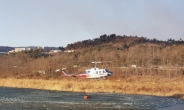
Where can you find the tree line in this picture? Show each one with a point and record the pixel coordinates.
(126, 40)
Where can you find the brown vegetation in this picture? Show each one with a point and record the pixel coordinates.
(159, 69)
(129, 85)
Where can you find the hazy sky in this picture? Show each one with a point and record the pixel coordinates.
(60, 22)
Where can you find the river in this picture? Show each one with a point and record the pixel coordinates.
(32, 99)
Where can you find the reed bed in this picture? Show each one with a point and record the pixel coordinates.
(112, 86)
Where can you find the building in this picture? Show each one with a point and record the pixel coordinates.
(69, 51)
(55, 51)
(18, 50)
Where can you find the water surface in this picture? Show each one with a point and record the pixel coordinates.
(29, 99)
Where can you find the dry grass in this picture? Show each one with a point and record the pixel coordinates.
(174, 89)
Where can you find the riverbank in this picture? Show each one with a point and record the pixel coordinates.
(171, 89)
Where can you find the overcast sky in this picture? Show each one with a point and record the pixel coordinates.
(61, 22)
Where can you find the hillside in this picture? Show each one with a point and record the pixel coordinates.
(126, 41)
(120, 52)
(6, 48)
(158, 67)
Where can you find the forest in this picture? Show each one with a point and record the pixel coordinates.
(118, 53)
(127, 41)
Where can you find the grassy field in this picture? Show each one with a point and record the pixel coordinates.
(130, 85)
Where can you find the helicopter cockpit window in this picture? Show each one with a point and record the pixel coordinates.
(108, 71)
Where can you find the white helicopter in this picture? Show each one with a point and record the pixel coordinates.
(91, 73)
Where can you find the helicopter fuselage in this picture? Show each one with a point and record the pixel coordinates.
(96, 73)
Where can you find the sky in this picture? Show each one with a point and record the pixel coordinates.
(61, 22)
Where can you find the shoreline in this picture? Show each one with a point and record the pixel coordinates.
(94, 86)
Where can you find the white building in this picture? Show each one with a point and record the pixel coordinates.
(69, 51)
(20, 49)
(54, 51)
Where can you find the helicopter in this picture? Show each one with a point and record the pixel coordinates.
(94, 73)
